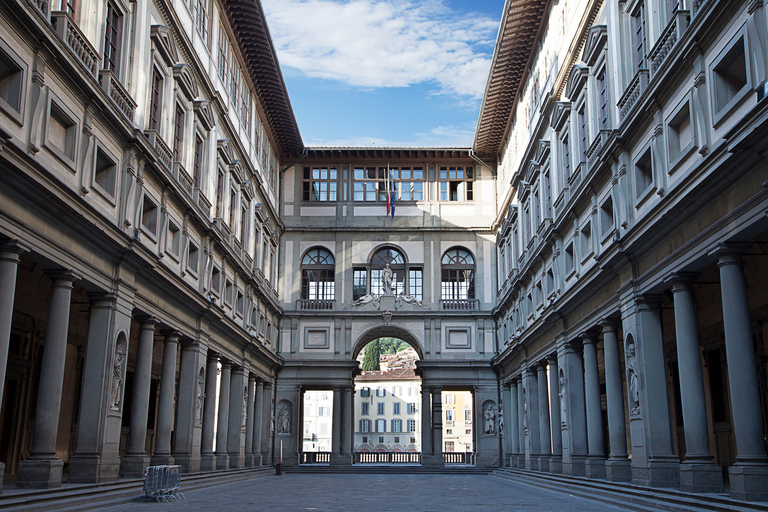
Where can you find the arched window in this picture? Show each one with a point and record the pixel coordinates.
(458, 275)
(404, 276)
(317, 275)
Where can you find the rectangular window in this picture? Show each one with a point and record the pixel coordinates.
(174, 239)
(412, 426)
(245, 108)
(155, 100)
(457, 284)
(396, 408)
(638, 28)
(569, 258)
(380, 408)
(456, 183)
(317, 284)
(105, 172)
(566, 152)
(416, 283)
(201, 18)
(411, 408)
(450, 398)
(408, 183)
(449, 415)
(359, 283)
(364, 408)
(319, 184)
(223, 58)
(365, 392)
(467, 416)
(149, 215)
(381, 392)
(606, 216)
(583, 135)
(219, 194)
(381, 426)
(602, 100)
(243, 223)
(365, 425)
(198, 165)
(643, 173)
(232, 206)
(397, 425)
(729, 77)
(193, 257)
(112, 34)
(370, 184)
(178, 133)
(547, 195)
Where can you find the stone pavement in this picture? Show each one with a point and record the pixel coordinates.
(371, 493)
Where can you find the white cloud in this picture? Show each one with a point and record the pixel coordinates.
(384, 43)
(440, 136)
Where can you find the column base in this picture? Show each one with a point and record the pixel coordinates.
(433, 460)
(222, 461)
(163, 459)
(519, 461)
(133, 466)
(618, 470)
(530, 463)
(40, 473)
(208, 462)
(188, 463)
(658, 473)
(235, 461)
(749, 482)
(257, 459)
(2, 474)
(701, 477)
(594, 468)
(575, 467)
(556, 465)
(341, 459)
(544, 463)
(91, 469)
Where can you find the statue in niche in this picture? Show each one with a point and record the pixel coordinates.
(244, 409)
(501, 419)
(387, 279)
(200, 398)
(525, 411)
(561, 394)
(284, 420)
(117, 377)
(633, 382)
(490, 420)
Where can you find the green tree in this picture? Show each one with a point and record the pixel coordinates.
(371, 359)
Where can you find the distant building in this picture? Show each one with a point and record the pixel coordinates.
(388, 411)
(318, 411)
(457, 421)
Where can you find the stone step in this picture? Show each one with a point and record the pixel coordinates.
(361, 469)
(639, 498)
(94, 496)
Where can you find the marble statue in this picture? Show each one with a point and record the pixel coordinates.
(633, 382)
(284, 420)
(561, 394)
(387, 279)
(525, 411)
(490, 420)
(200, 398)
(117, 377)
(366, 299)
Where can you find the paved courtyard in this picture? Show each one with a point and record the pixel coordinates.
(370, 493)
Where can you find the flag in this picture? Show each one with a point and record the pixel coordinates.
(392, 199)
(386, 186)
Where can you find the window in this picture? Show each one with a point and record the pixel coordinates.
(416, 283)
(319, 184)
(317, 275)
(397, 391)
(174, 239)
(112, 34)
(581, 117)
(370, 184)
(566, 154)
(243, 222)
(381, 426)
(397, 439)
(232, 206)
(193, 257)
(679, 134)
(201, 18)
(178, 133)
(240, 303)
(216, 281)
(412, 428)
(408, 183)
(450, 399)
(569, 258)
(198, 164)
(411, 408)
(468, 432)
(365, 392)
(467, 416)
(324, 411)
(586, 240)
(219, 194)
(364, 408)
(62, 133)
(730, 79)
(381, 438)
(550, 281)
(547, 195)
(397, 425)
(380, 408)
(449, 415)
(643, 173)
(456, 183)
(365, 425)
(155, 99)
(639, 37)
(458, 275)
(11, 82)
(396, 408)
(606, 216)
(229, 292)
(359, 283)
(449, 446)
(149, 215)
(223, 58)
(602, 100)
(396, 262)
(381, 392)
(449, 431)
(105, 172)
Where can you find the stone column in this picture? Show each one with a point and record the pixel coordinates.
(258, 423)
(42, 469)
(9, 264)
(749, 475)
(207, 457)
(162, 454)
(267, 425)
(531, 402)
(97, 458)
(698, 473)
(512, 428)
(335, 427)
(136, 458)
(545, 435)
(617, 467)
(595, 464)
(222, 458)
(522, 426)
(436, 458)
(574, 424)
(347, 426)
(249, 415)
(426, 423)
(556, 462)
(189, 407)
(235, 425)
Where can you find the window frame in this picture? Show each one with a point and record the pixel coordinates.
(450, 267)
(324, 271)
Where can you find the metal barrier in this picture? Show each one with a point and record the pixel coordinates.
(161, 483)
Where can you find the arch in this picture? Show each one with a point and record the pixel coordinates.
(457, 275)
(458, 256)
(318, 256)
(387, 254)
(387, 331)
(394, 258)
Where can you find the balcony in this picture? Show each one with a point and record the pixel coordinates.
(117, 93)
(560, 202)
(575, 180)
(315, 304)
(636, 87)
(40, 5)
(671, 35)
(70, 33)
(593, 153)
(449, 423)
(165, 156)
(459, 304)
(199, 197)
(183, 178)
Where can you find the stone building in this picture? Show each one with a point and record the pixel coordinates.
(631, 240)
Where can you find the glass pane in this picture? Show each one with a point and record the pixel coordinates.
(306, 173)
(371, 173)
(315, 173)
(333, 173)
(332, 192)
(418, 191)
(443, 173)
(359, 192)
(418, 173)
(359, 174)
(406, 174)
(394, 174)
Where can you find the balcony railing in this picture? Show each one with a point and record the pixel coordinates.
(636, 87)
(560, 202)
(202, 201)
(40, 5)
(70, 33)
(163, 151)
(117, 93)
(671, 35)
(387, 458)
(315, 458)
(465, 458)
(184, 180)
(575, 180)
(597, 147)
(459, 304)
(315, 304)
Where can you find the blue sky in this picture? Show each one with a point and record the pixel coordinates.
(385, 72)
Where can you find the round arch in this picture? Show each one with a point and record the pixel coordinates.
(386, 331)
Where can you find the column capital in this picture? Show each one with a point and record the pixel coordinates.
(681, 280)
(588, 338)
(730, 251)
(62, 277)
(252, 378)
(171, 336)
(10, 247)
(609, 324)
(649, 301)
(147, 323)
(101, 299)
(542, 365)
